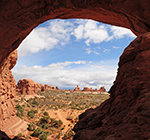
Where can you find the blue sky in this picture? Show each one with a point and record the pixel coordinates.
(66, 53)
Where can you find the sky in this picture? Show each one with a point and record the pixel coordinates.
(67, 53)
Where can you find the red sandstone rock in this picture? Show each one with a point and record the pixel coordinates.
(77, 88)
(48, 87)
(29, 87)
(53, 87)
(102, 89)
(7, 88)
(86, 89)
(8, 118)
(57, 88)
(126, 115)
(95, 90)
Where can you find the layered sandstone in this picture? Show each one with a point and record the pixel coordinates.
(126, 115)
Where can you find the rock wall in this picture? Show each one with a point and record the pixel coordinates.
(9, 122)
(7, 87)
(126, 115)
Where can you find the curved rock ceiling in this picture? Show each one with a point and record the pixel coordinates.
(18, 18)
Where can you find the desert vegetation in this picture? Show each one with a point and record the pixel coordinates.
(53, 113)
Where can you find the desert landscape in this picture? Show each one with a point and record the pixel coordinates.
(52, 114)
(125, 115)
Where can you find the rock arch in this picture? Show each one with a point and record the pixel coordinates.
(126, 114)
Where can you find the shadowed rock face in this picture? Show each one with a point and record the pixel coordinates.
(126, 114)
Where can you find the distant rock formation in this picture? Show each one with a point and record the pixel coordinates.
(48, 87)
(28, 87)
(102, 89)
(86, 89)
(77, 88)
(57, 88)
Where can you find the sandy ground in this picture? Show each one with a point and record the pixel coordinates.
(62, 115)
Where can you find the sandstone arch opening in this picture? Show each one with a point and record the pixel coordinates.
(72, 52)
(18, 18)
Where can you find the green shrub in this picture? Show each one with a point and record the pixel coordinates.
(34, 103)
(20, 111)
(37, 132)
(43, 136)
(44, 120)
(55, 123)
(19, 135)
(45, 126)
(46, 113)
(19, 108)
(31, 127)
(31, 114)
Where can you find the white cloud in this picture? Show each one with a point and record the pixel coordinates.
(78, 32)
(58, 33)
(46, 38)
(106, 51)
(89, 51)
(37, 40)
(91, 32)
(114, 47)
(120, 32)
(57, 74)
